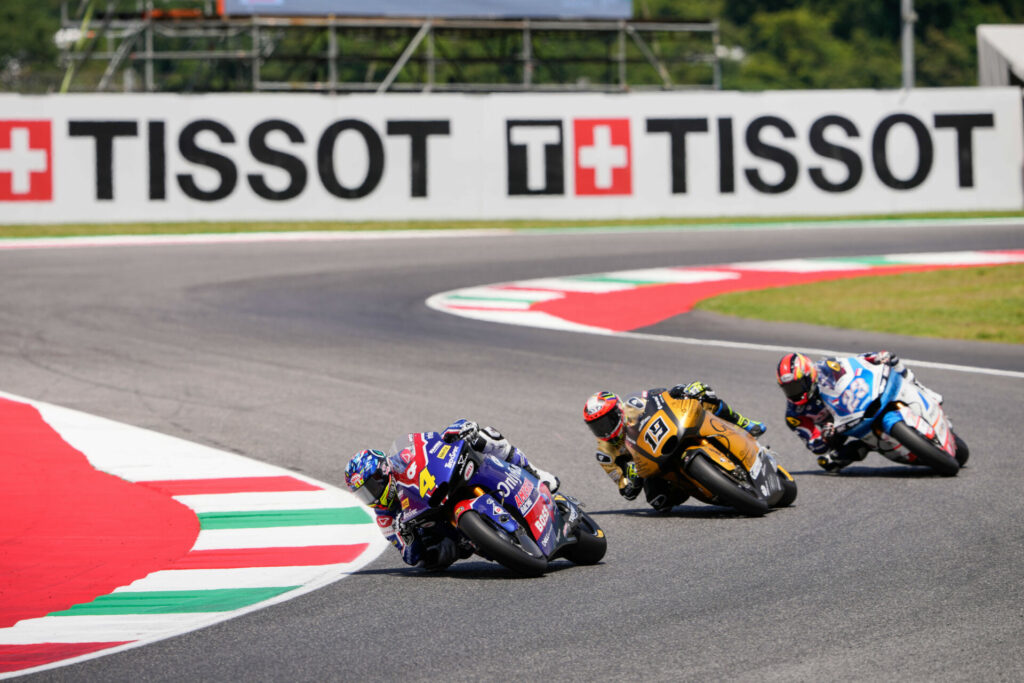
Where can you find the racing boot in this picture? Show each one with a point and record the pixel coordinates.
(752, 427)
(545, 476)
(518, 458)
(832, 464)
(897, 365)
(724, 411)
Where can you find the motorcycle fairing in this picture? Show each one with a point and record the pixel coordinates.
(521, 494)
(866, 401)
(418, 473)
(488, 507)
(684, 422)
(850, 393)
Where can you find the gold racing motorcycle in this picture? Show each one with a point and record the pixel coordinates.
(708, 458)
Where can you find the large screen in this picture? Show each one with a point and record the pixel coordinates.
(552, 9)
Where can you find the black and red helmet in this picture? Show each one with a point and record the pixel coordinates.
(603, 414)
(798, 378)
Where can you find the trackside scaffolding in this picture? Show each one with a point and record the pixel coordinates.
(192, 49)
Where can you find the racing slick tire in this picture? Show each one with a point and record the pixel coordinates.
(788, 489)
(725, 489)
(498, 545)
(927, 453)
(962, 451)
(591, 543)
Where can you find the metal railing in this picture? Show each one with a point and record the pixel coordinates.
(378, 55)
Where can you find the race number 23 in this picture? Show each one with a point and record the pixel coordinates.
(854, 394)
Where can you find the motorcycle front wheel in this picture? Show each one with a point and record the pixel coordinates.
(927, 453)
(591, 544)
(725, 489)
(499, 546)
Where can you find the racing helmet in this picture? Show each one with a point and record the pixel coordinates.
(603, 414)
(368, 475)
(798, 378)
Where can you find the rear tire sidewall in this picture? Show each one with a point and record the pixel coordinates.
(724, 488)
(497, 547)
(962, 451)
(927, 453)
(788, 491)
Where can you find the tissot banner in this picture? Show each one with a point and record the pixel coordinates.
(563, 9)
(109, 158)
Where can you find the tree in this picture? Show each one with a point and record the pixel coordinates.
(787, 44)
(28, 56)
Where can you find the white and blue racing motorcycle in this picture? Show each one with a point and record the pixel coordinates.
(902, 420)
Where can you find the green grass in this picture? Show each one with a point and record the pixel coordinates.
(977, 304)
(69, 230)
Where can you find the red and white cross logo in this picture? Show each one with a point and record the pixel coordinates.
(26, 155)
(603, 157)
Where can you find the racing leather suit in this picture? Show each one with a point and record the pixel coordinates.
(812, 420)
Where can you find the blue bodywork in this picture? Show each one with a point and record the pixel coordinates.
(867, 384)
(512, 498)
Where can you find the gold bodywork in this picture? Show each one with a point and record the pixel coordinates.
(660, 441)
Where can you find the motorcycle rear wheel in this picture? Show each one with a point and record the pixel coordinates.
(788, 490)
(592, 543)
(927, 453)
(962, 451)
(500, 547)
(724, 488)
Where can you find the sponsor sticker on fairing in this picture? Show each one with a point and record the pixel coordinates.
(523, 495)
(755, 471)
(542, 519)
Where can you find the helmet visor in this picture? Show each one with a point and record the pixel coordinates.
(797, 389)
(606, 426)
(373, 490)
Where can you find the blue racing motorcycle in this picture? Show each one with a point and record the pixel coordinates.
(902, 420)
(506, 514)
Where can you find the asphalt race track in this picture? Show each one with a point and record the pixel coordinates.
(300, 354)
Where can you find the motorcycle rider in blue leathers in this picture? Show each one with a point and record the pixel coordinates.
(810, 418)
(369, 476)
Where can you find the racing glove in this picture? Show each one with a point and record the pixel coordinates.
(463, 429)
(831, 436)
(440, 555)
(634, 484)
(882, 358)
(697, 390)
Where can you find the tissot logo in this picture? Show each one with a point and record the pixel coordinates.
(535, 157)
(603, 157)
(26, 154)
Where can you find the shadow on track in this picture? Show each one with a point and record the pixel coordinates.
(863, 471)
(701, 511)
(469, 569)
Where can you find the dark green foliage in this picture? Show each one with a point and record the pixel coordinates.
(28, 54)
(781, 44)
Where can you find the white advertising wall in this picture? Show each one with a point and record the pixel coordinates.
(110, 158)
